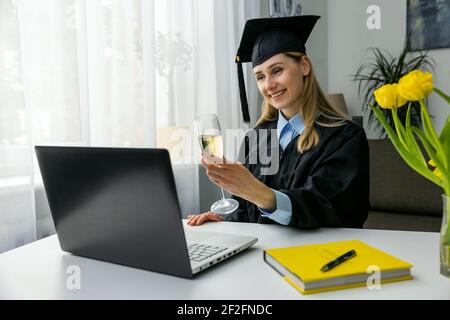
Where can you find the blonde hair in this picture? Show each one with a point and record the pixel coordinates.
(314, 109)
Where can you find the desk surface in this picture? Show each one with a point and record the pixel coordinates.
(38, 270)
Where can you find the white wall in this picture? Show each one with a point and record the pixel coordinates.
(318, 42)
(348, 41)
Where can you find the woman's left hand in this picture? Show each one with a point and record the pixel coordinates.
(236, 179)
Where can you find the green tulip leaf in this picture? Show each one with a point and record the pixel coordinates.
(411, 139)
(444, 138)
(430, 132)
(408, 157)
(427, 145)
(399, 128)
(442, 94)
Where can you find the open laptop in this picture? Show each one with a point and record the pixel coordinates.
(120, 205)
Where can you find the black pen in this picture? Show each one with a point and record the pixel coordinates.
(338, 260)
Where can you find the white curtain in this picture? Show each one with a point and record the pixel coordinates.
(124, 73)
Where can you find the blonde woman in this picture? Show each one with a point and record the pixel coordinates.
(322, 176)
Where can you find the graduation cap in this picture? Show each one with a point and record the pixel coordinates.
(266, 37)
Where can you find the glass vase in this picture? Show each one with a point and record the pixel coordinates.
(445, 239)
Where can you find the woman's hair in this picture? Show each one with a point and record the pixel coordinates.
(314, 109)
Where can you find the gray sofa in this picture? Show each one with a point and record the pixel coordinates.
(400, 198)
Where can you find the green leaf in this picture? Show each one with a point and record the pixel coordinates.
(443, 95)
(444, 183)
(444, 138)
(409, 158)
(430, 132)
(411, 140)
(399, 128)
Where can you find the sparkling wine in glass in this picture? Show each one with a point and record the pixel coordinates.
(210, 138)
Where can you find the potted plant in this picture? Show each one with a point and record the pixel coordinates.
(431, 158)
(386, 69)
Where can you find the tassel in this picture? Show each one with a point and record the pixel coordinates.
(243, 95)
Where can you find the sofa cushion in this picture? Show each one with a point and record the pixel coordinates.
(397, 221)
(396, 188)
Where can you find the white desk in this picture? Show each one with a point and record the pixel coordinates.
(38, 270)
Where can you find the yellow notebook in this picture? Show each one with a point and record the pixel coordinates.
(300, 266)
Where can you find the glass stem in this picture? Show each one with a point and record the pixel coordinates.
(446, 216)
(223, 194)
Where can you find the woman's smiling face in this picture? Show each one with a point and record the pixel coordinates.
(280, 81)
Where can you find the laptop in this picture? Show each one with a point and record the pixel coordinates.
(120, 205)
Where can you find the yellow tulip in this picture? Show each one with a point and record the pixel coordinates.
(416, 85)
(388, 98)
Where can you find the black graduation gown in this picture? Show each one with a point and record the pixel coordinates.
(328, 185)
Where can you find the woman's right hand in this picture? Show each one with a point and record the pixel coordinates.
(198, 219)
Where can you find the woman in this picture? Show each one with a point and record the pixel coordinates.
(323, 176)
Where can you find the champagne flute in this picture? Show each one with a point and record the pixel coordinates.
(210, 138)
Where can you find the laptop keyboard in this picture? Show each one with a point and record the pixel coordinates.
(201, 251)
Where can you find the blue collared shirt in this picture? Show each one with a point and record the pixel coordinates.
(287, 131)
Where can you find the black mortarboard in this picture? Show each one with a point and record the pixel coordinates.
(266, 37)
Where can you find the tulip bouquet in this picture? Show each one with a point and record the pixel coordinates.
(434, 162)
